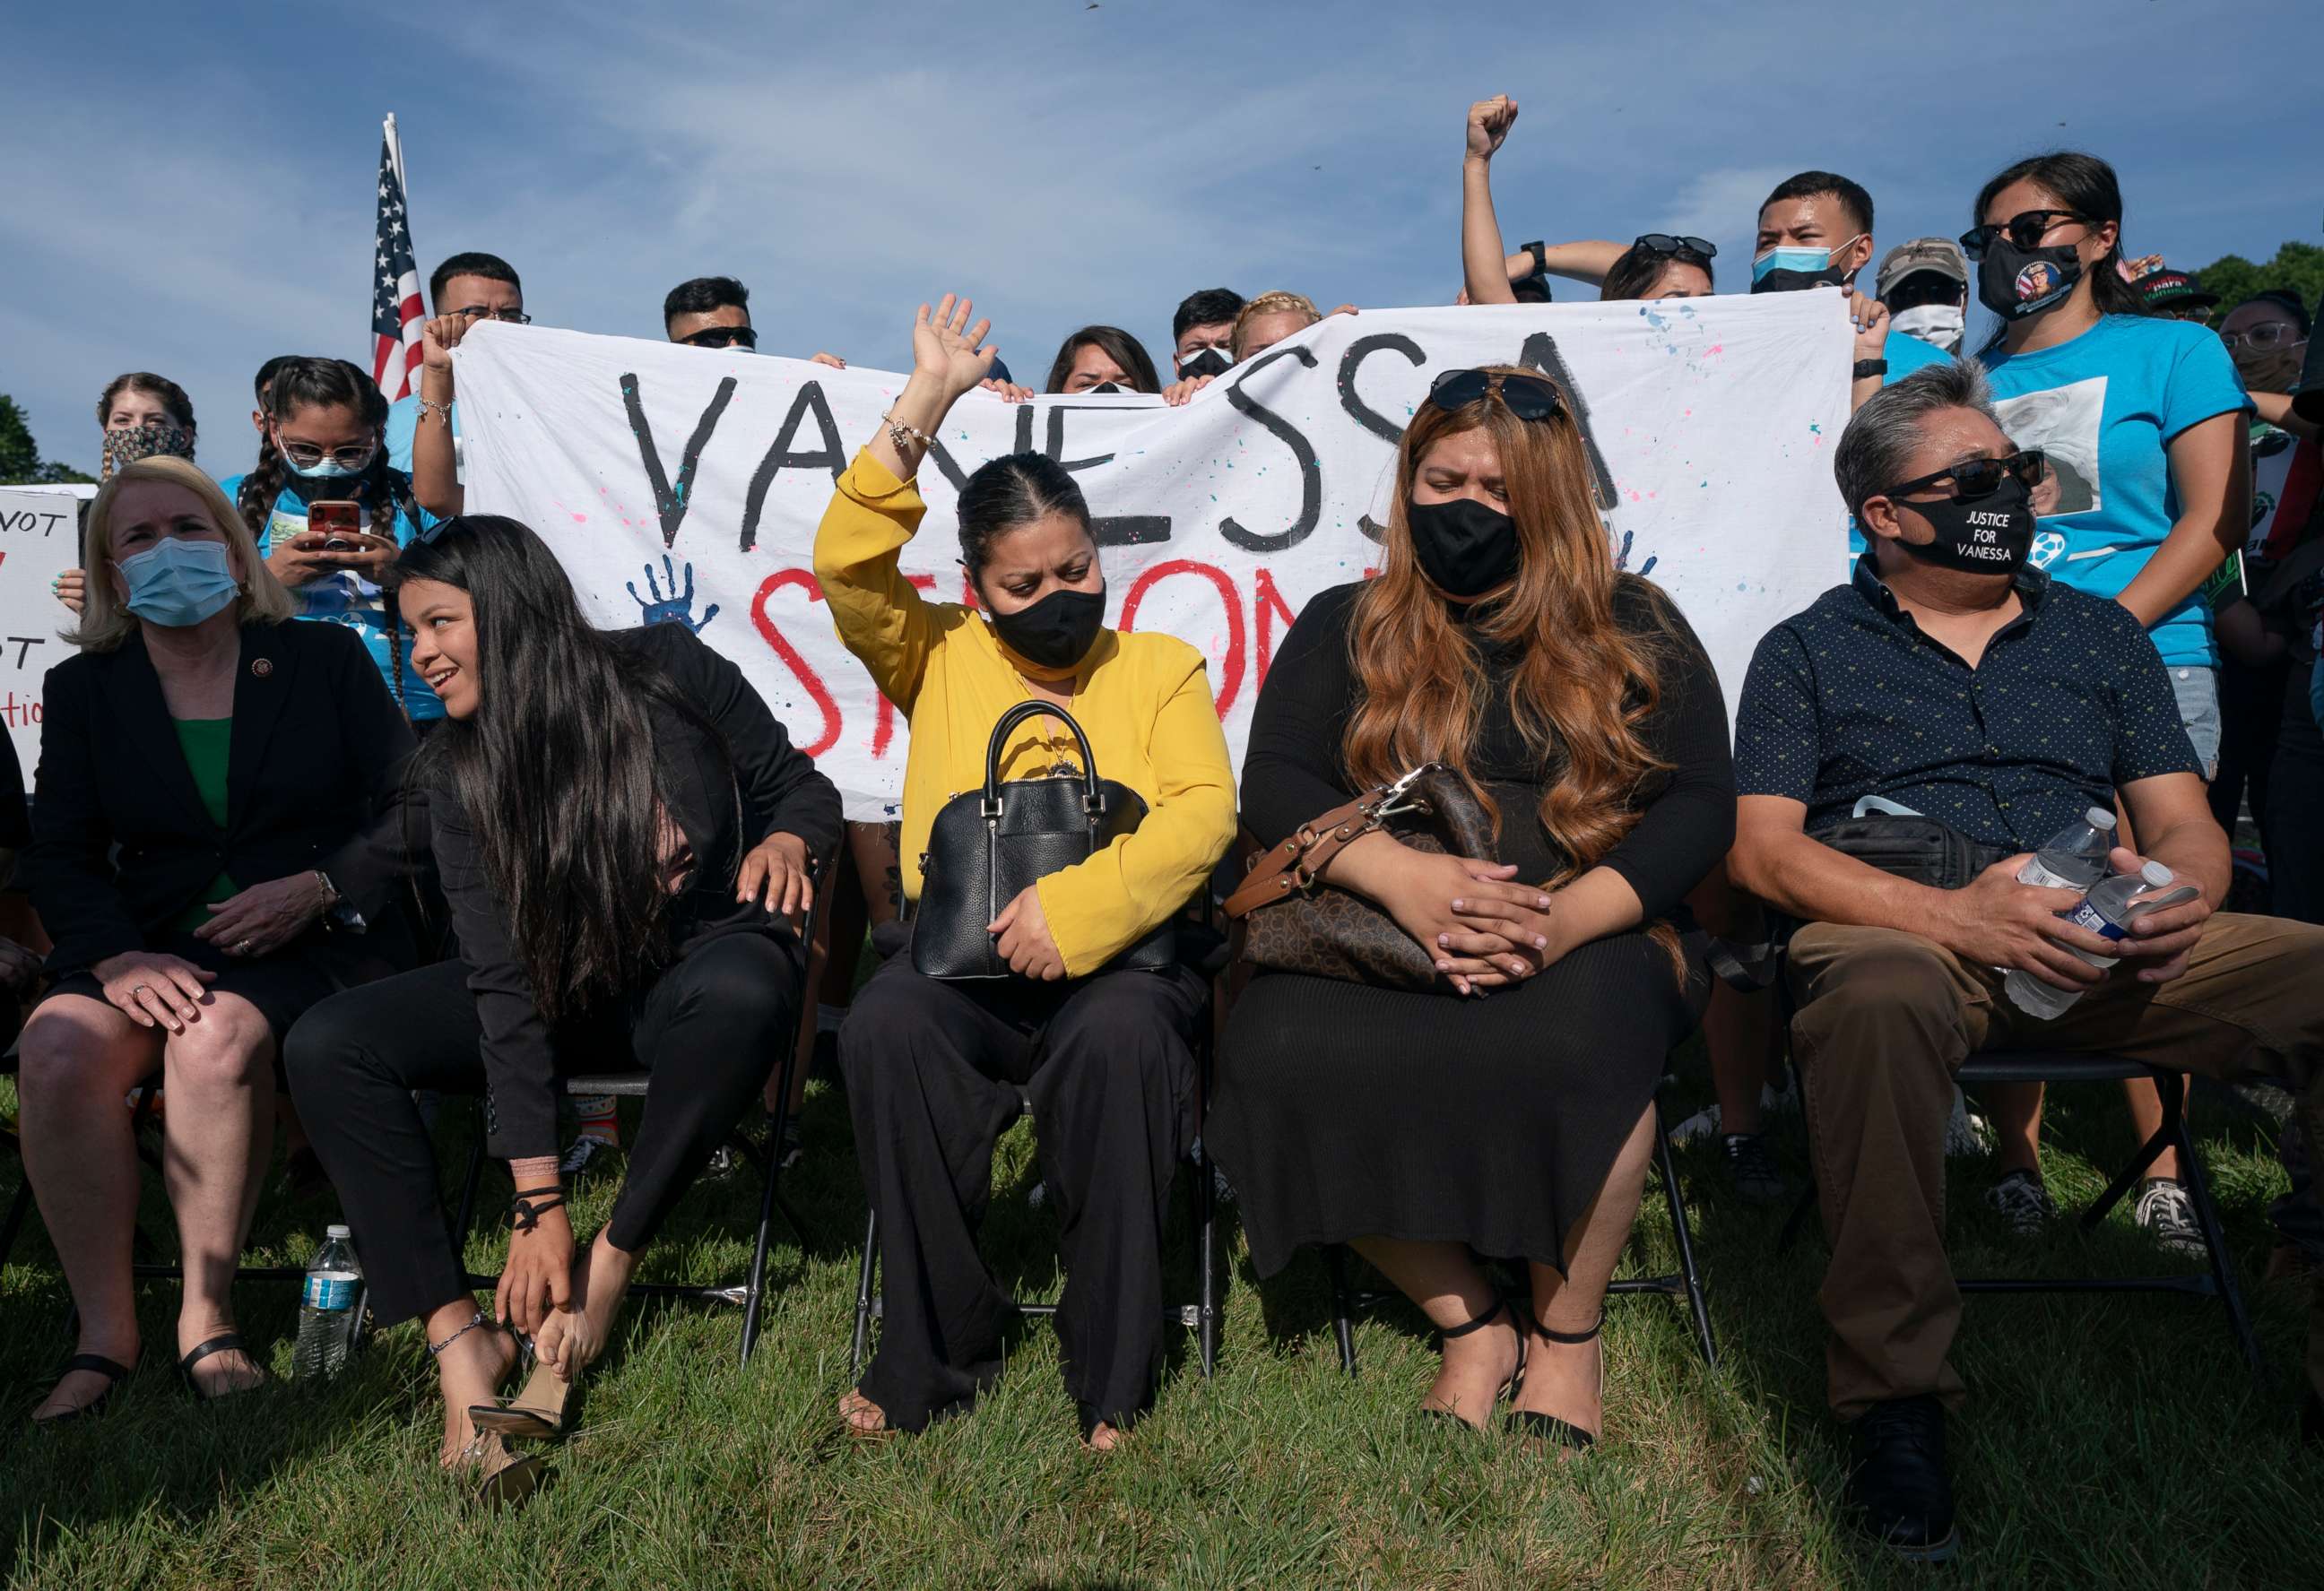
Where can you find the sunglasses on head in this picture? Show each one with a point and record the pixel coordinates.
(723, 337)
(2026, 229)
(1981, 477)
(1670, 243)
(1529, 398)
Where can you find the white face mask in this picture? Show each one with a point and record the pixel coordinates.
(1937, 324)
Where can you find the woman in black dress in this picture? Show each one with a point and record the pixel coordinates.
(1511, 1116)
(626, 839)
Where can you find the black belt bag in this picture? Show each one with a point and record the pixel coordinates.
(987, 845)
(1923, 849)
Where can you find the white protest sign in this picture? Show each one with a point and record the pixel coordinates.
(39, 539)
(686, 484)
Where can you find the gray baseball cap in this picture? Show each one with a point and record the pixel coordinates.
(1940, 254)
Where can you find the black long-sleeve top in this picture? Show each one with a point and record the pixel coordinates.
(121, 845)
(1294, 769)
(773, 788)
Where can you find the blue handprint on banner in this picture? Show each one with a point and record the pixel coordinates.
(674, 608)
(1622, 556)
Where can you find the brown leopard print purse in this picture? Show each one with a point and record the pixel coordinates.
(1289, 921)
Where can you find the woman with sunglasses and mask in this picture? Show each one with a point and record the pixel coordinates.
(325, 441)
(937, 1070)
(1657, 266)
(2141, 422)
(1509, 1114)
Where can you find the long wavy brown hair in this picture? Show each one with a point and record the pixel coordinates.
(1583, 685)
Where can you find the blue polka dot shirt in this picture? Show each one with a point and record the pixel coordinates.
(1851, 699)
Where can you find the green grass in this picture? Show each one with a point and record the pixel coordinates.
(2108, 1442)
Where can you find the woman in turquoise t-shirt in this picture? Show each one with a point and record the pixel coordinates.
(2141, 418)
(324, 440)
(2143, 422)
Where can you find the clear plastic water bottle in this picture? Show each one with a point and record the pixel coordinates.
(2106, 911)
(326, 1307)
(2075, 857)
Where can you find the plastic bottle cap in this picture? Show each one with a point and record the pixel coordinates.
(343, 1232)
(2097, 817)
(2155, 875)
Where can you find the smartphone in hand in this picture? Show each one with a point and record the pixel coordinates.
(339, 523)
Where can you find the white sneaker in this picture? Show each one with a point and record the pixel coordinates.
(1702, 1124)
(1967, 1134)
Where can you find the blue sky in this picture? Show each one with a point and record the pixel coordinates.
(190, 190)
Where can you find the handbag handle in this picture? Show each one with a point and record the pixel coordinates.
(1091, 800)
(1291, 866)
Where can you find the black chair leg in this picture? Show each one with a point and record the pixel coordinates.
(2174, 1100)
(464, 1221)
(2214, 1244)
(755, 1292)
(1343, 1309)
(1696, 1303)
(17, 1209)
(1206, 1323)
(863, 1275)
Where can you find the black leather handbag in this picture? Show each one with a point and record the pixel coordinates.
(987, 845)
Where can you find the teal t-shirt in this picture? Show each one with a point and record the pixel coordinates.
(2105, 408)
(347, 598)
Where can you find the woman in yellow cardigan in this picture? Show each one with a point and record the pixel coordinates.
(935, 1071)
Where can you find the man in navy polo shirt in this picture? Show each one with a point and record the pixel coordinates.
(1950, 680)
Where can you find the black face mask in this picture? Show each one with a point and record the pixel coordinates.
(1055, 632)
(2014, 282)
(1988, 535)
(1464, 547)
(1107, 387)
(1210, 362)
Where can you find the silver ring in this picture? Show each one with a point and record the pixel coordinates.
(241, 947)
(143, 989)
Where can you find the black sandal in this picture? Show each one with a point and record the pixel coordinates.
(114, 1373)
(1515, 1383)
(1549, 1428)
(230, 1342)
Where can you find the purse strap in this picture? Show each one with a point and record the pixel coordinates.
(1091, 800)
(1291, 866)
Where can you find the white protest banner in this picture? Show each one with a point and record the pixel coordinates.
(686, 484)
(39, 539)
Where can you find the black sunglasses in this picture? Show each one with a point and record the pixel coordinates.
(2025, 229)
(1665, 242)
(723, 337)
(1529, 398)
(1973, 478)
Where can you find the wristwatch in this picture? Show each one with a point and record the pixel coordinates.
(1870, 367)
(339, 914)
(1540, 260)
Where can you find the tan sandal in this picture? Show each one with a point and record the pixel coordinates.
(504, 1478)
(539, 1412)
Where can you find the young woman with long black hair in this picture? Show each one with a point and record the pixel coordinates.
(627, 838)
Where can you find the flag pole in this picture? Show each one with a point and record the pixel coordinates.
(395, 158)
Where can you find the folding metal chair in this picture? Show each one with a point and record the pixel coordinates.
(1685, 1282)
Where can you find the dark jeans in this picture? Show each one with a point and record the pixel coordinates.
(709, 1030)
(935, 1073)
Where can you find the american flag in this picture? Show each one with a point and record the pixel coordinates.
(396, 314)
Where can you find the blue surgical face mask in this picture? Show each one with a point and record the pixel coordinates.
(179, 583)
(1790, 270)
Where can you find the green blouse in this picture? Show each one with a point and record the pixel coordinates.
(206, 742)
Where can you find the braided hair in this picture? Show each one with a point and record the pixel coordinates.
(326, 383)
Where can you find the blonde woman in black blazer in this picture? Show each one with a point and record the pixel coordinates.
(208, 770)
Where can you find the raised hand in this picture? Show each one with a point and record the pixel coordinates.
(1489, 121)
(947, 346)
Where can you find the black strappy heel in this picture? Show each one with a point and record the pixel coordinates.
(228, 1343)
(114, 1373)
(1515, 1383)
(1549, 1428)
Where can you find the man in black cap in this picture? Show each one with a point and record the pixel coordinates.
(2177, 296)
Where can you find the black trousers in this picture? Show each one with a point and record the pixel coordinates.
(2293, 833)
(936, 1073)
(709, 1030)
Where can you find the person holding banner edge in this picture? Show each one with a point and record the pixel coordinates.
(936, 1070)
